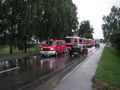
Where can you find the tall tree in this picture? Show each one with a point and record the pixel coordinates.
(111, 22)
(111, 27)
(60, 18)
(22, 21)
(85, 30)
(9, 23)
(3, 13)
(25, 26)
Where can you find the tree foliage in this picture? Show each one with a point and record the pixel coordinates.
(111, 22)
(85, 30)
(111, 27)
(115, 40)
(22, 21)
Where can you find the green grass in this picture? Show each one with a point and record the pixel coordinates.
(5, 51)
(109, 67)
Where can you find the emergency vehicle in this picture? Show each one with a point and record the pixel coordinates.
(53, 47)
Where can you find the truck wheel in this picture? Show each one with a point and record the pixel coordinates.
(56, 53)
(85, 53)
(70, 53)
(65, 51)
(43, 56)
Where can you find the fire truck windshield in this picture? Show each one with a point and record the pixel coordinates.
(51, 43)
(69, 40)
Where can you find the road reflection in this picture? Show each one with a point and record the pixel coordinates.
(5, 65)
(54, 63)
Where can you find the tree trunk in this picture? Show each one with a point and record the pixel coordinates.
(25, 49)
(11, 50)
(36, 41)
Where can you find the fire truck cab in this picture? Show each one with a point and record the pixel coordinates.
(70, 41)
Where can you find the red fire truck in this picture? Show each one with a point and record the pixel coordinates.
(53, 47)
(76, 45)
(70, 41)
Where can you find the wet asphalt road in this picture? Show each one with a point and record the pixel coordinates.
(15, 74)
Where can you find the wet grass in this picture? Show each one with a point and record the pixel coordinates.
(5, 50)
(109, 67)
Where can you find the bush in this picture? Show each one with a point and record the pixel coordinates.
(115, 40)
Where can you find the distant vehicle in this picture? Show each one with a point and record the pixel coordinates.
(97, 43)
(90, 42)
(78, 49)
(53, 47)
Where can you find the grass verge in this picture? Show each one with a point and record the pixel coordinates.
(5, 51)
(109, 68)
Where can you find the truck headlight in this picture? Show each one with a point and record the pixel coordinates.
(51, 48)
(41, 49)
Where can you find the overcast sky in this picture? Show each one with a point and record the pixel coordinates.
(93, 10)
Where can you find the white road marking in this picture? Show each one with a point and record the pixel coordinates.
(9, 70)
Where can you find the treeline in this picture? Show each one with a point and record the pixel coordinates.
(22, 21)
(111, 27)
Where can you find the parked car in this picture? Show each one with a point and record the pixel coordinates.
(53, 47)
(78, 49)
